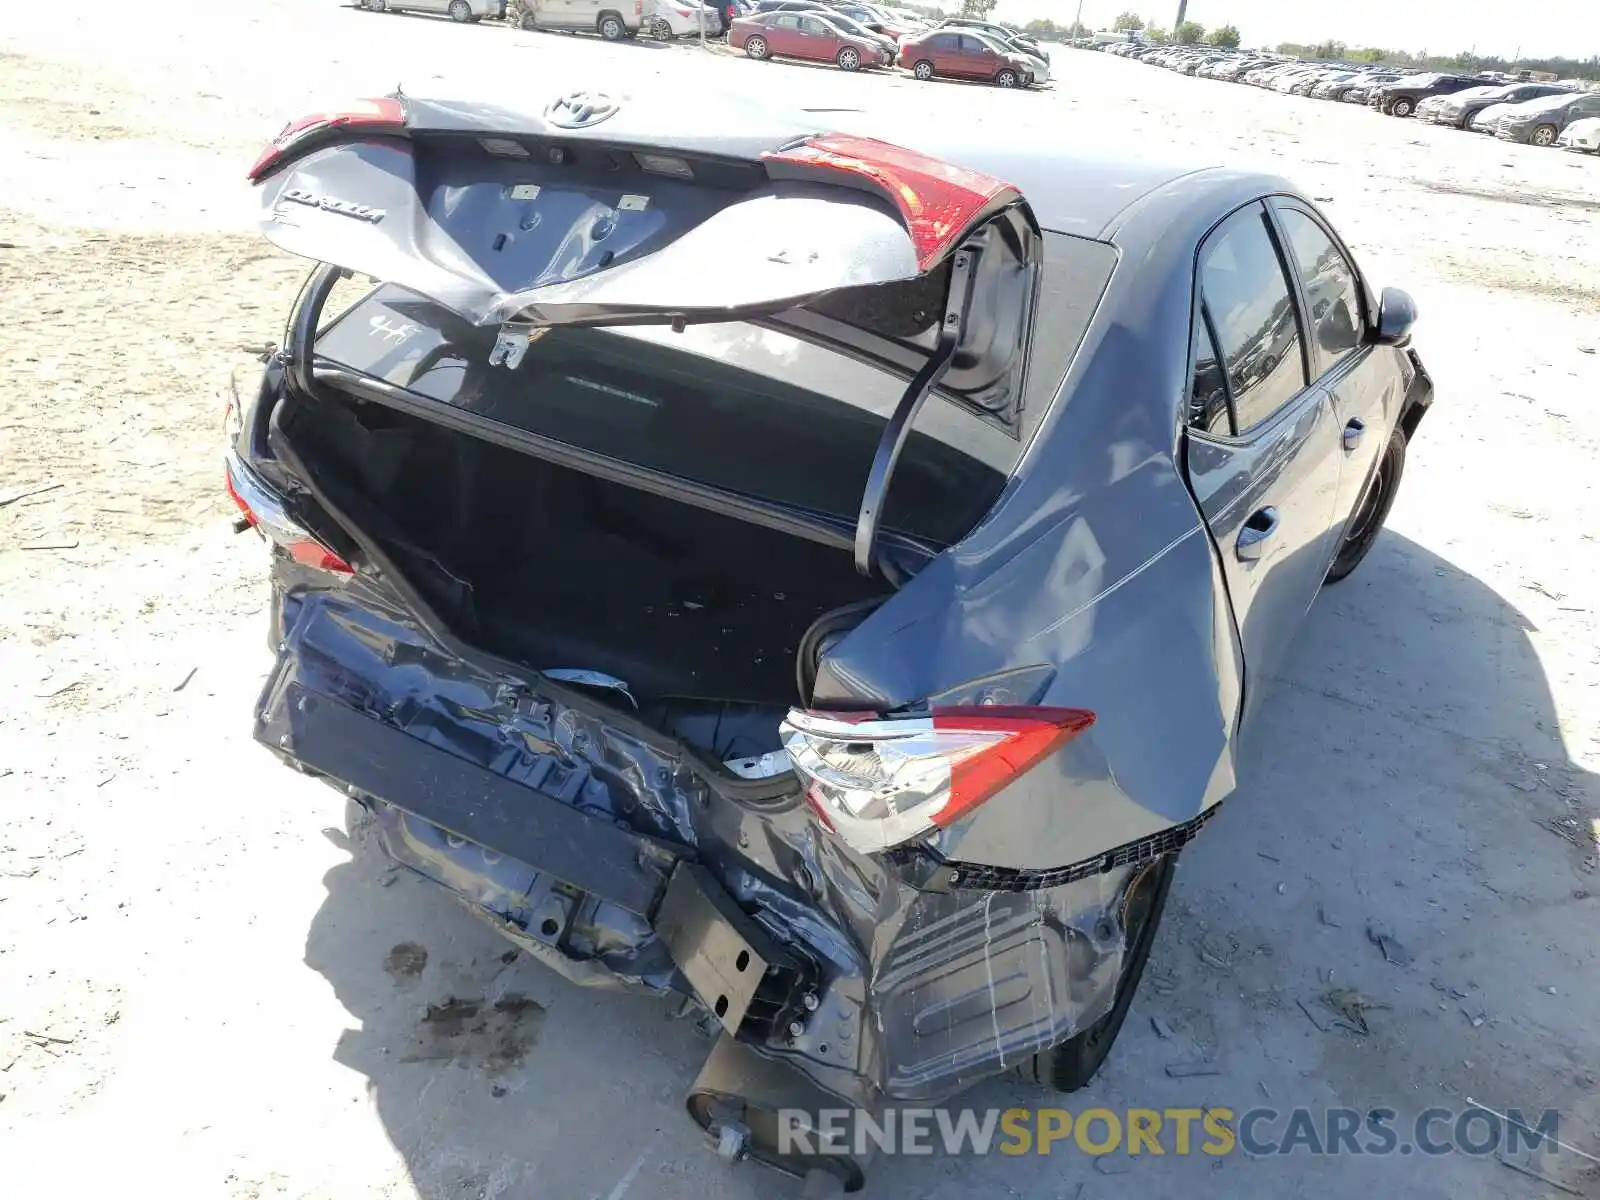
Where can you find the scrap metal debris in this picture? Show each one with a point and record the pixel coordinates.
(1381, 937)
(1312, 1017)
(1191, 1070)
(24, 493)
(1523, 1164)
(1163, 1030)
(1353, 1007)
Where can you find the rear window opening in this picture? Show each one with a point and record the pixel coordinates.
(742, 408)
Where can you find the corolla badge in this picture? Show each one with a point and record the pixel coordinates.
(333, 204)
(579, 110)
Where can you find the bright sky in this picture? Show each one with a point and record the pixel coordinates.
(1538, 27)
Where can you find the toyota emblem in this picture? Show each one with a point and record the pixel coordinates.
(579, 110)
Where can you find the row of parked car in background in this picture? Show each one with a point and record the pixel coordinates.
(1518, 108)
(851, 34)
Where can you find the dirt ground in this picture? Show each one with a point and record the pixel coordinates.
(211, 984)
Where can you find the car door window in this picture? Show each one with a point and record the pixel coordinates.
(970, 44)
(811, 27)
(1243, 286)
(1333, 297)
(785, 21)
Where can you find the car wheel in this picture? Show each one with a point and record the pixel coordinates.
(1402, 108)
(1006, 78)
(1367, 521)
(1545, 135)
(612, 28)
(378, 5)
(460, 11)
(1071, 1064)
(849, 59)
(660, 30)
(923, 70)
(756, 47)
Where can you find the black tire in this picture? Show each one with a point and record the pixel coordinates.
(460, 11)
(756, 47)
(848, 58)
(1367, 521)
(1071, 1064)
(923, 70)
(1007, 78)
(660, 30)
(1403, 107)
(378, 6)
(611, 27)
(1545, 135)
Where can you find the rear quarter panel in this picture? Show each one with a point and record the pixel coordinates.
(1094, 564)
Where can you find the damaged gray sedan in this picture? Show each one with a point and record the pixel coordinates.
(821, 578)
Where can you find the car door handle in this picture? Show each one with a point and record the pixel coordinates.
(1353, 430)
(1253, 537)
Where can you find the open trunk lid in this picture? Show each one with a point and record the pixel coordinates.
(596, 212)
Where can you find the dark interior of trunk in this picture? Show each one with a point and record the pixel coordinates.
(700, 614)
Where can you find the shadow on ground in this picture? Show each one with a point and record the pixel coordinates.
(1407, 781)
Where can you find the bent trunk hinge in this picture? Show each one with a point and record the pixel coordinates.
(963, 270)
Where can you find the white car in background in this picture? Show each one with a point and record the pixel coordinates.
(1488, 118)
(1581, 135)
(668, 19)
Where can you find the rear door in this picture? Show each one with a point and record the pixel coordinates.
(783, 34)
(1263, 457)
(815, 40)
(1359, 377)
(975, 58)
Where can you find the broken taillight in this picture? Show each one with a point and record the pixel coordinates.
(939, 202)
(263, 511)
(881, 781)
(383, 115)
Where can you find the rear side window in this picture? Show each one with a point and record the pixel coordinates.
(1333, 297)
(1208, 394)
(970, 44)
(1243, 286)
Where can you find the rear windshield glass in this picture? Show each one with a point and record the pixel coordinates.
(736, 406)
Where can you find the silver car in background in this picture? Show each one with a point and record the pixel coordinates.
(462, 11)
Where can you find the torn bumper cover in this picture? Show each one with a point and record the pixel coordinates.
(619, 859)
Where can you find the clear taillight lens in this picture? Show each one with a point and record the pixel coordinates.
(263, 509)
(879, 782)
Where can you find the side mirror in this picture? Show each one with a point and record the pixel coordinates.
(1397, 313)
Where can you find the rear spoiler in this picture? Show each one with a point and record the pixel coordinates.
(594, 213)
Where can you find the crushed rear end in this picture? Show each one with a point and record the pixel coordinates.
(571, 513)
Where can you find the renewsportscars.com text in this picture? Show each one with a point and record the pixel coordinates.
(1216, 1131)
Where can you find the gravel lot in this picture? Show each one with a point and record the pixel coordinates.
(211, 985)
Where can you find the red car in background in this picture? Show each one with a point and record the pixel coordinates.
(810, 35)
(962, 55)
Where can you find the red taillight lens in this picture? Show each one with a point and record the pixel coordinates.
(382, 115)
(264, 510)
(938, 202)
(879, 782)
